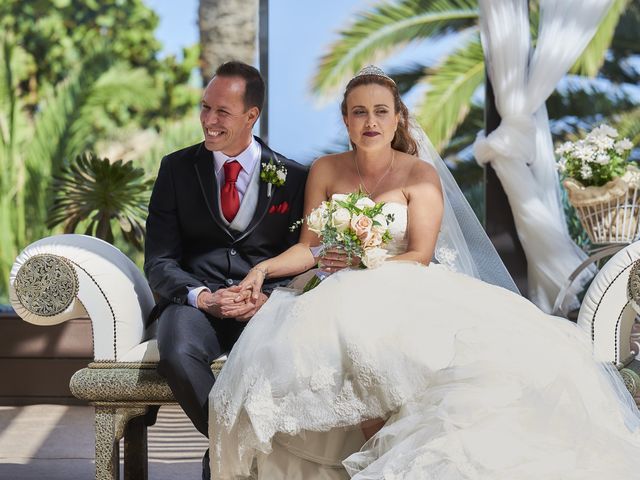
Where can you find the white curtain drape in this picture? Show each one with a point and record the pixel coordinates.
(520, 149)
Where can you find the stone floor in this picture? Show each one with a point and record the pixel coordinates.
(56, 442)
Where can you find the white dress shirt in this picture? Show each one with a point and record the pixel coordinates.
(248, 159)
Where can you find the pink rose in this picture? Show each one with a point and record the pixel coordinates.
(361, 224)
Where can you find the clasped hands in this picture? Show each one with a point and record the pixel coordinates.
(233, 302)
(244, 300)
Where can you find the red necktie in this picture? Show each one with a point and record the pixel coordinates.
(229, 197)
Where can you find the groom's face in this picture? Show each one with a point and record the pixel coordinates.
(226, 122)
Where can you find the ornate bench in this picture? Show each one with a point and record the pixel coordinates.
(72, 276)
(75, 276)
(609, 310)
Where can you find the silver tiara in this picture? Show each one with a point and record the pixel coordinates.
(373, 70)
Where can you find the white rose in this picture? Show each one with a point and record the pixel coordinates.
(282, 176)
(382, 221)
(373, 240)
(374, 257)
(341, 219)
(316, 219)
(338, 197)
(365, 202)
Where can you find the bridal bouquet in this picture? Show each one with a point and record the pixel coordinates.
(353, 223)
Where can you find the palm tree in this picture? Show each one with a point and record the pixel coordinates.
(227, 32)
(450, 85)
(33, 147)
(96, 192)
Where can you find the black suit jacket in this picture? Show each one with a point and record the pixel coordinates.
(187, 243)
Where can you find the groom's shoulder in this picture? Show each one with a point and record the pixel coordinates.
(184, 154)
(294, 169)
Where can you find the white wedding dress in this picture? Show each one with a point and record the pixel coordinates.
(475, 383)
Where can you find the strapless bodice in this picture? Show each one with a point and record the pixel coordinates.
(397, 228)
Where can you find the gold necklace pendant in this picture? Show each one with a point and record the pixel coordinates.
(367, 191)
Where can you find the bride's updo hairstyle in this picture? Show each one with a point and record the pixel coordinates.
(402, 140)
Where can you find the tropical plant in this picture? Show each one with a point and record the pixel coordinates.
(72, 73)
(96, 193)
(58, 35)
(33, 147)
(173, 136)
(451, 83)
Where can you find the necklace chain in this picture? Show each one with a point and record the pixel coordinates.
(371, 192)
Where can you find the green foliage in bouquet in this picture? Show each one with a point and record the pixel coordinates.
(333, 222)
(353, 223)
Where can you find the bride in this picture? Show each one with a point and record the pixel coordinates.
(411, 370)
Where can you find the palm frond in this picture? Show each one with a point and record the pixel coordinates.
(628, 125)
(625, 41)
(58, 130)
(593, 56)
(121, 88)
(386, 28)
(451, 87)
(96, 192)
(407, 77)
(68, 121)
(173, 136)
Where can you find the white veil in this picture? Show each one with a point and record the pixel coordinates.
(462, 244)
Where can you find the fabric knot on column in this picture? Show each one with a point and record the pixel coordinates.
(514, 138)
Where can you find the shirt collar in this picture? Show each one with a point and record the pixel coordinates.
(247, 158)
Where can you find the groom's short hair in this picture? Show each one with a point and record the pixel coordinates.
(254, 84)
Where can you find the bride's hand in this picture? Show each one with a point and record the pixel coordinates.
(335, 259)
(252, 282)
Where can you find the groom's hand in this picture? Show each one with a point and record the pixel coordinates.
(214, 302)
(244, 311)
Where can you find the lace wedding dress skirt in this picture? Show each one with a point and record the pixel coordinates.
(475, 383)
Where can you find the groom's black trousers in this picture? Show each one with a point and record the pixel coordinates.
(188, 341)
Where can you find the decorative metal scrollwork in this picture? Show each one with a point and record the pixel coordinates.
(633, 285)
(631, 380)
(46, 284)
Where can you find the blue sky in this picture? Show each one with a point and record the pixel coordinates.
(300, 32)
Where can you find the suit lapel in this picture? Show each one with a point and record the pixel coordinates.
(264, 202)
(205, 171)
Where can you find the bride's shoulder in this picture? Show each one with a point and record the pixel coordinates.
(332, 161)
(418, 170)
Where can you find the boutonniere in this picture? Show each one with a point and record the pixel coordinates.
(273, 174)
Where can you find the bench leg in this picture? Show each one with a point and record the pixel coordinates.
(136, 462)
(110, 426)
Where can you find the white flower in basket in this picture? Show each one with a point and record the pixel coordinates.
(602, 185)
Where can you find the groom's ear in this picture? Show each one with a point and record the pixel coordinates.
(253, 114)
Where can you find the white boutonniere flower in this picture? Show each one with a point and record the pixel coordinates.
(273, 174)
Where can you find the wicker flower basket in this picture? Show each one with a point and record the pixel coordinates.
(609, 213)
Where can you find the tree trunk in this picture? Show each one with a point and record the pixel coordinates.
(227, 32)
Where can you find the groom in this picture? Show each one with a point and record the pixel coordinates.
(214, 213)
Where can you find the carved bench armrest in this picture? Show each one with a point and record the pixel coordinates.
(72, 276)
(607, 312)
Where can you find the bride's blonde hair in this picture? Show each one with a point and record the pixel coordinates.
(402, 140)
